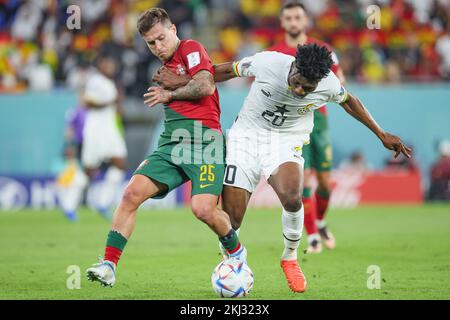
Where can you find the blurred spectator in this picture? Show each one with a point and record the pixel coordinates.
(40, 77)
(443, 49)
(413, 43)
(440, 174)
(356, 163)
(27, 20)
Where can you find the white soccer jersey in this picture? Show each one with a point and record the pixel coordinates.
(274, 124)
(270, 103)
(101, 137)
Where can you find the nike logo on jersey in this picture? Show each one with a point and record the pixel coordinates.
(206, 185)
(266, 93)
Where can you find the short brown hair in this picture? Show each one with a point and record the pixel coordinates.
(150, 18)
(292, 4)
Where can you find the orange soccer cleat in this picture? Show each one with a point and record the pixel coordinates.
(294, 275)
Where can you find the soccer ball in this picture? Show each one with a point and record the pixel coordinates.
(232, 278)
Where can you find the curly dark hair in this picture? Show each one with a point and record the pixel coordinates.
(313, 61)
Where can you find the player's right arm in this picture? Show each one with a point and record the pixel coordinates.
(225, 71)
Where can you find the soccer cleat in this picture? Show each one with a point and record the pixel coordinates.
(241, 254)
(294, 275)
(314, 247)
(327, 238)
(103, 272)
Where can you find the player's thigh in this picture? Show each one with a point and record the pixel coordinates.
(242, 159)
(162, 171)
(140, 188)
(234, 203)
(204, 205)
(287, 180)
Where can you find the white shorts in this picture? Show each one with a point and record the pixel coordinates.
(252, 154)
(101, 142)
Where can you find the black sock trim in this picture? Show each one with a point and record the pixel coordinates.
(291, 239)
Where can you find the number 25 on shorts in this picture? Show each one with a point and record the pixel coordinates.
(206, 173)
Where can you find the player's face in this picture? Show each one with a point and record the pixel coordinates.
(162, 40)
(299, 85)
(294, 21)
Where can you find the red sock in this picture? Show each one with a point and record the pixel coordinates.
(112, 254)
(310, 216)
(322, 205)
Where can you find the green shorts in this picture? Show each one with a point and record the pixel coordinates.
(318, 153)
(207, 178)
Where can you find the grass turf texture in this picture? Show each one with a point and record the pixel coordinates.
(171, 255)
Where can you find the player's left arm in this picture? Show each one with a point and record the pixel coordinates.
(201, 85)
(171, 81)
(356, 109)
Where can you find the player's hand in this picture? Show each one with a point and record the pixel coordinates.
(392, 142)
(170, 80)
(157, 95)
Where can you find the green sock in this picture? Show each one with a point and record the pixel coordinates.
(230, 241)
(116, 240)
(307, 192)
(324, 194)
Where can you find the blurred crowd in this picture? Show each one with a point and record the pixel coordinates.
(39, 51)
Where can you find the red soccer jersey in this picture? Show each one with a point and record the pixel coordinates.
(283, 47)
(190, 58)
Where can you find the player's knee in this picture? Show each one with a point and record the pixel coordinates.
(203, 211)
(292, 202)
(132, 197)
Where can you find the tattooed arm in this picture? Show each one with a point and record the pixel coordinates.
(169, 80)
(201, 85)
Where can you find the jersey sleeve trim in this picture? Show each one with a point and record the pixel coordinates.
(236, 69)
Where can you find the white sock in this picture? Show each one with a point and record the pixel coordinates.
(321, 224)
(223, 251)
(292, 223)
(110, 186)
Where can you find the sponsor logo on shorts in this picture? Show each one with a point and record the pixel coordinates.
(297, 151)
(206, 185)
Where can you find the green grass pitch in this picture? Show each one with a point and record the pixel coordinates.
(171, 255)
